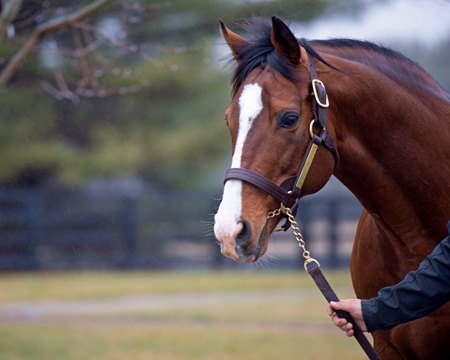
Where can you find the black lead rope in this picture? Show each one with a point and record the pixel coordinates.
(313, 269)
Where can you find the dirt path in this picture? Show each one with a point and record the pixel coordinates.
(45, 309)
(114, 311)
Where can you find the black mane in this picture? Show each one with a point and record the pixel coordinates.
(391, 63)
(259, 52)
(364, 45)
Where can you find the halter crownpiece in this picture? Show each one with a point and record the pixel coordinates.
(289, 192)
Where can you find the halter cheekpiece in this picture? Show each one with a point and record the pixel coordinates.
(289, 192)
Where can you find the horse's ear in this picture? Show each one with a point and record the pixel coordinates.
(234, 41)
(284, 41)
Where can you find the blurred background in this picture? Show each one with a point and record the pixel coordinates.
(113, 143)
(113, 149)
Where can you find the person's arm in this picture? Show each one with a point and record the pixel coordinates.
(421, 292)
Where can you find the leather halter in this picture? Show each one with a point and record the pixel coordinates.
(290, 191)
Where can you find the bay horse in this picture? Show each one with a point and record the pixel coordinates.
(387, 139)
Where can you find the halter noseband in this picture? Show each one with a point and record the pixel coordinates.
(289, 192)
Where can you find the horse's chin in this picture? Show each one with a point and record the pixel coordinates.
(262, 244)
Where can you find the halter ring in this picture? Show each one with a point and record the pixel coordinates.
(311, 125)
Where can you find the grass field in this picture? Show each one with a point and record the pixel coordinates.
(170, 316)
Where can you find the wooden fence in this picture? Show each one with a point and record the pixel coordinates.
(74, 229)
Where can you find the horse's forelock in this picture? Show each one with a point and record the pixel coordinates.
(259, 51)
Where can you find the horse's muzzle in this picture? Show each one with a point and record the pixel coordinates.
(238, 245)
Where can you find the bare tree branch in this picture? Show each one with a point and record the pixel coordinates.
(43, 30)
(81, 57)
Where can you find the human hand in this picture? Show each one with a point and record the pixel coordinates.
(352, 306)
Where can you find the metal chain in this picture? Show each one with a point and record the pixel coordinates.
(295, 228)
(298, 235)
(274, 213)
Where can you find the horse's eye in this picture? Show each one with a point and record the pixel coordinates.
(287, 120)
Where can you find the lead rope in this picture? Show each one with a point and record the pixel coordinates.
(312, 267)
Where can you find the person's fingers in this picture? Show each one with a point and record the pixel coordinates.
(342, 324)
(339, 321)
(337, 305)
(348, 326)
(334, 318)
(352, 306)
(346, 305)
(348, 329)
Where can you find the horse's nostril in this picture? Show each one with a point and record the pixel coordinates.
(244, 236)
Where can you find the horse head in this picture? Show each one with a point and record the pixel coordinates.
(271, 120)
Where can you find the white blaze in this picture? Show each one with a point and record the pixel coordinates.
(229, 213)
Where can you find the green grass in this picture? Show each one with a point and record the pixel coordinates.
(131, 341)
(282, 328)
(88, 285)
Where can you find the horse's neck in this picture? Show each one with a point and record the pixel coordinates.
(395, 154)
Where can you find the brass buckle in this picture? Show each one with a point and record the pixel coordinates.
(316, 82)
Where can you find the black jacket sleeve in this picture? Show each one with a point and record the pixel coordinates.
(421, 292)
